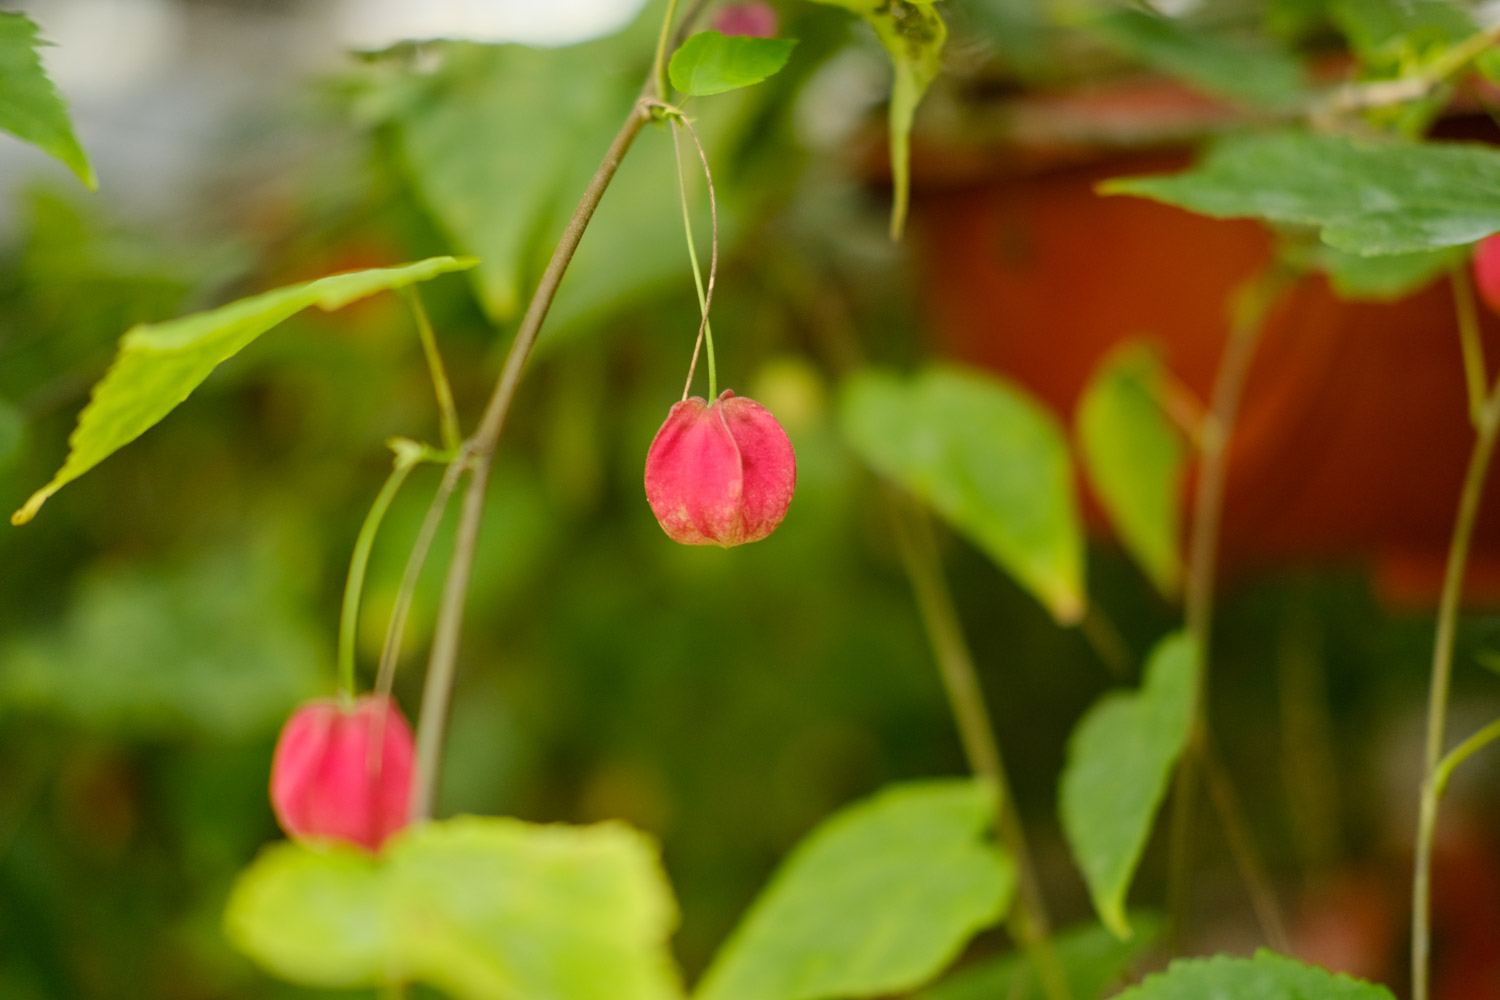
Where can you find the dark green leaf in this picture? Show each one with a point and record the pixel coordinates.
(710, 63)
(1267, 976)
(1240, 69)
(1395, 33)
(988, 458)
(1367, 197)
(160, 364)
(1120, 758)
(29, 106)
(1093, 960)
(1135, 458)
(875, 901)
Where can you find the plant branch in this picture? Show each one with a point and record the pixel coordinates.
(1362, 96)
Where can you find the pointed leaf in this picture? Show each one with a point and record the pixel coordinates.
(1135, 458)
(1120, 758)
(160, 364)
(1366, 196)
(711, 63)
(987, 457)
(1267, 976)
(875, 901)
(30, 108)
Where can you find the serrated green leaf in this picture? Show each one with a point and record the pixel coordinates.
(1367, 197)
(913, 35)
(1249, 69)
(711, 63)
(1120, 757)
(875, 901)
(1092, 960)
(989, 459)
(30, 108)
(1135, 458)
(160, 364)
(483, 909)
(1267, 976)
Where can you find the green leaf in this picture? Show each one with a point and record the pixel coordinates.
(12, 432)
(1120, 758)
(29, 106)
(913, 35)
(1135, 458)
(1267, 976)
(1375, 279)
(1397, 34)
(160, 364)
(483, 909)
(710, 63)
(875, 901)
(1248, 70)
(989, 459)
(1366, 196)
(1092, 960)
(313, 916)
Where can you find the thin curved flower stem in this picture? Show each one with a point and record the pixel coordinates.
(1469, 341)
(919, 555)
(705, 300)
(452, 436)
(1437, 698)
(658, 79)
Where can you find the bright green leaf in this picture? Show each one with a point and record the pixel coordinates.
(1092, 960)
(711, 63)
(1247, 69)
(1135, 458)
(987, 457)
(1120, 758)
(1267, 976)
(875, 901)
(913, 35)
(1367, 196)
(314, 917)
(497, 908)
(160, 364)
(29, 106)
(1376, 279)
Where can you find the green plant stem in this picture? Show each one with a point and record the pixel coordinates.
(1360, 96)
(919, 556)
(659, 65)
(1437, 698)
(1461, 753)
(1469, 340)
(407, 457)
(476, 453)
(452, 436)
(705, 299)
(1248, 322)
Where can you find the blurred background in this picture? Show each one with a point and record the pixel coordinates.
(161, 617)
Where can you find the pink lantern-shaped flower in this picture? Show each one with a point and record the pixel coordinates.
(1487, 271)
(720, 473)
(343, 773)
(755, 19)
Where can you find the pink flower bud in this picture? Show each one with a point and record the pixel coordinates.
(720, 473)
(756, 19)
(1487, 271)
(343, 773)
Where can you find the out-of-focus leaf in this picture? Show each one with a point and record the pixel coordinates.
(12, 432)
(1135, 459)
(1267, 976)
(1120, 758)
(30, 108)
(1249, 69)
(711, 63)
(160, 364)
(875, 901)
(1367, 197)
(913, 35)
(484, 909)
(1376, 279)
(987, 457)
(1397, 33)
(217, 649)
(1091, 957)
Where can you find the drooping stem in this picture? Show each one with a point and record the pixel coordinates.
(705, 299)
(442, 663)
(1437, 697)
(919, 556)
(1469, 341)
(408, 454)
(452, 436)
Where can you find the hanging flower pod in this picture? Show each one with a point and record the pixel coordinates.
(1487, 271)
(720, 473)
(757, 20)
(343, 773)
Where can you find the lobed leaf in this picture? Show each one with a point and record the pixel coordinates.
(1267, 976)
(30, 108)
(712, 63)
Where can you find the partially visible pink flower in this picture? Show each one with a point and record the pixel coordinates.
(343, 773)
(720, 473)
(1487, 271)
(756, 19)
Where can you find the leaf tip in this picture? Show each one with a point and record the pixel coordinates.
(34, 504)
(1067, 606)
(1112, 915)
